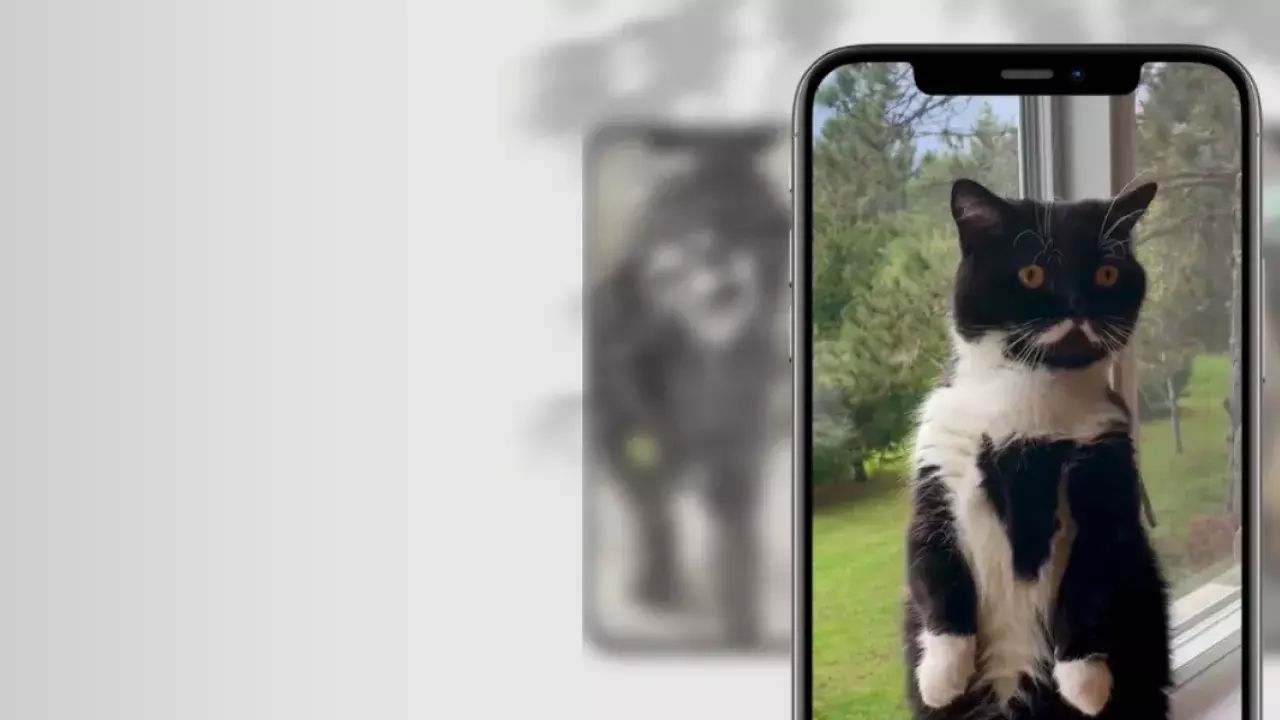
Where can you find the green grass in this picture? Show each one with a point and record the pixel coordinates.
(858, 568)
(1192, 484)
(857, 604)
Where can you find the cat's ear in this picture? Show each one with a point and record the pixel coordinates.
(1125, 212)
(977, 210)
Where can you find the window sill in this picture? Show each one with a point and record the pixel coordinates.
(1214, 694)
(1207, 624)
(1207, 646)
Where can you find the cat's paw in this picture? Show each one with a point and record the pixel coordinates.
(1085, 684)
(946, 666)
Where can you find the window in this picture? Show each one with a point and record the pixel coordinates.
(1181, 129)
(1187, 132)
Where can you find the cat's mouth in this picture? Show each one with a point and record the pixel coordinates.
(1075, 343)
(1070, 334)
(1067, 344)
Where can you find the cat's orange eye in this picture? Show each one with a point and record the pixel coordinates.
(1106, 276)
(1031, 276)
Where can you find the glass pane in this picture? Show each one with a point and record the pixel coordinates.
(1188, 340)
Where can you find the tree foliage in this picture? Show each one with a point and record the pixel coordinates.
(1189, 142)
(884, 252)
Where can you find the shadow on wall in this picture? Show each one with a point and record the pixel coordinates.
(659, 64)
(684, 54)
(649, 66)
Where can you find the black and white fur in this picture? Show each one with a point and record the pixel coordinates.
(1034, 591)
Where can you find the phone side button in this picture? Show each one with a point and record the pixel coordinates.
(1266, 321)
(791, 296)
(791, 258)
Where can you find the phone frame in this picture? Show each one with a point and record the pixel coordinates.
(976, 70)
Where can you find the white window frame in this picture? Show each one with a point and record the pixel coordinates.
(1035, 147)
(1083, 146)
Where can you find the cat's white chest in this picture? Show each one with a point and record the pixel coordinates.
(1012, 612)
(1011, 405)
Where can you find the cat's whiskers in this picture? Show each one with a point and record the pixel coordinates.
(1041, 352)
(1113, 340)
(1020, 339)
(1048, 232)
(1035, 354)
(1019, 332)
(1046, 244)
(1115, 249)
(1032, 233)
(1108, 243)
(1026, 353)
(1111, 206)
(1121, 325)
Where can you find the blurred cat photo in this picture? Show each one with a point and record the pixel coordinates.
(687, 402)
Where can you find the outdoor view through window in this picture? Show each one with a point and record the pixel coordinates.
(884, 256)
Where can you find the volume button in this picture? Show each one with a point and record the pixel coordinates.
(1266, 347)
(791, 258)
(791, 296)
(791, 331)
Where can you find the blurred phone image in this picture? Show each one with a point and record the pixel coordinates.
(1028, 367)
(688, 407)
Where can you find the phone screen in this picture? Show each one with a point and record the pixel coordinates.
(1025, 378)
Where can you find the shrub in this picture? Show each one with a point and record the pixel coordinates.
(1153, 394)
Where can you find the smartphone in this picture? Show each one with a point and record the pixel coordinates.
(1027, 356)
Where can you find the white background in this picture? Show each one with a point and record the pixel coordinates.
(285, 288)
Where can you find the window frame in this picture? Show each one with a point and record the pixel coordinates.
(1084, 146)
(1035, 147)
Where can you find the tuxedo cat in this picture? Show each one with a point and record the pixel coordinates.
(1033, 589)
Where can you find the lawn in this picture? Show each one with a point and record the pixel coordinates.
(857, 606)
(1187, 490)
(858, 567)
